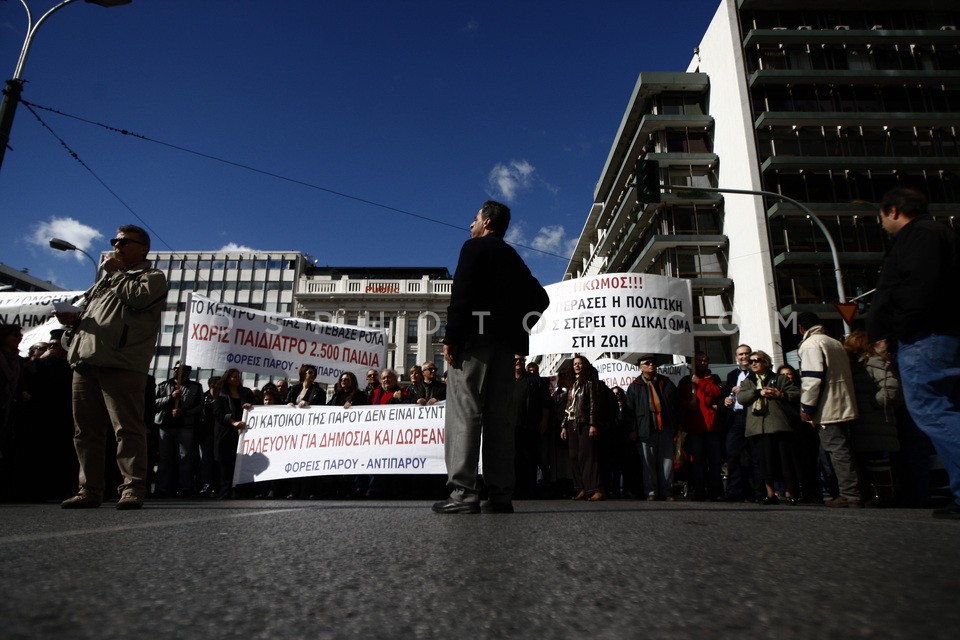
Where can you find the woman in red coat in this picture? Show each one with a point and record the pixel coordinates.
(700, 397)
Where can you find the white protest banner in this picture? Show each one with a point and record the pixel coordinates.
(675, 372)
(616, 373)
(621, 374)
(220, 336)
(392, 439)
(624, 312)
(33, 311)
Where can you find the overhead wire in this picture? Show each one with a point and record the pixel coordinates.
(246, 167)
(77, 157)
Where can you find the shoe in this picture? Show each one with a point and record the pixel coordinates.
(793, 501)
(651, 498)
(205, 491)
(669, 499)
(768, 500)
(456, 506)
(580, 496)
(843, 501)
(491, 506)
(948, 513)
(597, 496)
(129, 502)
(80, 501)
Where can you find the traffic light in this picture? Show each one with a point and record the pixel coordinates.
(648, 181)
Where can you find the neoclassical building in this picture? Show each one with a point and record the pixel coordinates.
(410, 303)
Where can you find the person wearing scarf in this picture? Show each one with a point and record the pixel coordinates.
(653, 415)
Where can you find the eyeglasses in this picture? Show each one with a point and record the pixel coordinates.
(371, 375)
(519, 359)
(430, 369)
(756, 360)
(647, 362)
(344, 379)
(122, 242)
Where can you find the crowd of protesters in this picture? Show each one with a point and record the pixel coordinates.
(857, 425)
(748, 438)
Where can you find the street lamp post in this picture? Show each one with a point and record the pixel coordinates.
(837, 273)
(63, 245)
(14, 86)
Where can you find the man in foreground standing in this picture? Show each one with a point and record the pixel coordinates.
(915, 315)
(493, 296)
(113, 342)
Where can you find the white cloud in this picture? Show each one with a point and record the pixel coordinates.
(73, 231)
(515, 234)
(233, 247)
(505, 180)
(551, 239)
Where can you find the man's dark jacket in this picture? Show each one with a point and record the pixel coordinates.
(191, 404)
(494, 287)
(918, 292)
(638, 412)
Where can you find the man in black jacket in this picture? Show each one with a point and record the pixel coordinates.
(915, 314)
(178, 404)
(741, 469)
(492, 300)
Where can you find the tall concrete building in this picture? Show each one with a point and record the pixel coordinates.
(20, 280)
(262, 280)
(828, 103)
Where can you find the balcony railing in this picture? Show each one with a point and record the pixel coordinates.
(375, 287)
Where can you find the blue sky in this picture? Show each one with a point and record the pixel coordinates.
(427, 107)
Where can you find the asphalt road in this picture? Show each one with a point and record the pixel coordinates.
(554, 569)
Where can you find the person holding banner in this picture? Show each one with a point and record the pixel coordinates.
(306, 392)
(373, 381)
(233, 400)
(429, 390)
(653, 416)
(283, 388)
(492, 300)
(348, 394)
(389, 392)
(113, 342)
(302, 395)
